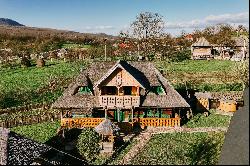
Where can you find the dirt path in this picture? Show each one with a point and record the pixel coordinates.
(145, 136)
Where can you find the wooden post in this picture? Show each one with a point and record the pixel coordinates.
(132, 114)
(106, 113)
(105, 51)
(118, 115)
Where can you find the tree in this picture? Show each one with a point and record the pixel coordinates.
(88, 144)
(147, 29)
(147, 25)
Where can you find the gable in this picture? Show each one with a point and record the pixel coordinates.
(120, 77)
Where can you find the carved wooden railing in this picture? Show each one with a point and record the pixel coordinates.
(80, 122)
(119, 101)
(158, 122)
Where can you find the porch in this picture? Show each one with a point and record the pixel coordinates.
(69, 123)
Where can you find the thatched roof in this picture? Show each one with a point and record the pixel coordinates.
(144, 72)
(233, 95)
(201, 42)
(106, 127)
(239, 41)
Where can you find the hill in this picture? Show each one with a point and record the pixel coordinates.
(9, 22)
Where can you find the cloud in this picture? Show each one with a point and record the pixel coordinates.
(236, 19)
(100, 27)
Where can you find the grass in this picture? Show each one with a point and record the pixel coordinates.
(195, 66)
(202, 75)
(41, 132)
(213, 120)
(24, 85)
(73, 45)
(181, 149)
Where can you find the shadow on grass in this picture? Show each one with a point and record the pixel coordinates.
(203, 152)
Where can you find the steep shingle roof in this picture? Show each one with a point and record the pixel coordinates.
(144, 72)
(201, 42)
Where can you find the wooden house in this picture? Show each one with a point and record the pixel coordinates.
(127, 93)
(201, 49)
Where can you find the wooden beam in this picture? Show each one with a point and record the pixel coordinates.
(106, 114)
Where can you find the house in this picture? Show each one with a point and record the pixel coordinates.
(127, 93)
(241, 47)
(189, 37)
(18, 150)
(201, 49)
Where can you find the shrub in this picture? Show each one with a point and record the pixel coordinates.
(88, 144)
(25, 62)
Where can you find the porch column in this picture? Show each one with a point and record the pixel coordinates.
(118, 115)
(61, 114)
(106, 114)
(132, 114)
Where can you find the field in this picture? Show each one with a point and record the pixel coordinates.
(41, 132)
(21, 86)
(202, 75)
(72, 45)
(213, 120)
(181, 149)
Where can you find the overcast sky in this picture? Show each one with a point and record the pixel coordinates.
(111, 16)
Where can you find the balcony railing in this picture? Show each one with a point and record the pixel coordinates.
(158, 122)
(93, 122)
(80, 122)
(119, 101)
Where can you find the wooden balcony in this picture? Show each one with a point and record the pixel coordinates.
(119, 101)
(80, 122)
(158, 122)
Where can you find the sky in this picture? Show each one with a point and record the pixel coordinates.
(112, 16)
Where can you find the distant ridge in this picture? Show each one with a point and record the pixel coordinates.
(9, 22)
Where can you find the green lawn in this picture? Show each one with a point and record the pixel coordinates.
(213, 120)
(22, 86)
(41, 132)
(31, 85)
(181, 149)
(196, 66)
(202, 75)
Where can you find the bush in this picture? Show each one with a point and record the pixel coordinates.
(88, 144)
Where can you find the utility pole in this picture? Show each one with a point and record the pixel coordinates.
(244, 46)
(105, 49)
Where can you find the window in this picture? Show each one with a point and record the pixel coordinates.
(158, 90)
(84, 90)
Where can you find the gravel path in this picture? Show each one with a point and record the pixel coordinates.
(145, 136)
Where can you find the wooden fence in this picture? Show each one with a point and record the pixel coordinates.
(80, 122)
(158, 122)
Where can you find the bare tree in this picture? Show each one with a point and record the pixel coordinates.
(148, 25)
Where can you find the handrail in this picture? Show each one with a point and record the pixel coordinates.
(157, 122)
(80, 122)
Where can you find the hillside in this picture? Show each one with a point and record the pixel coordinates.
(9, 22)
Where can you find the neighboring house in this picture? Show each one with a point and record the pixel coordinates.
(189, 37)
(18, 150)
(241, 47)
(126, 92)
(201, 49)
